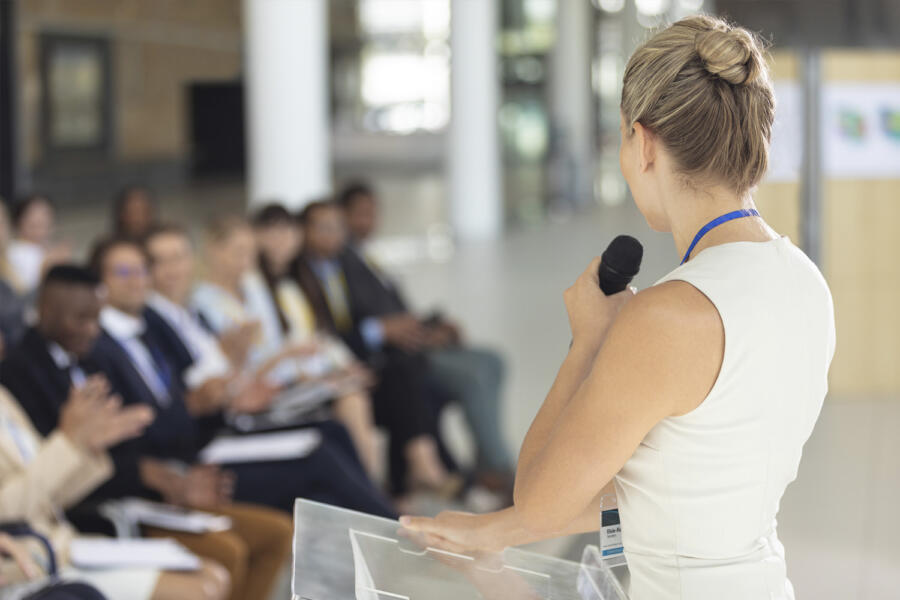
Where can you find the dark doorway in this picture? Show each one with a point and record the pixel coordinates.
(217, 128)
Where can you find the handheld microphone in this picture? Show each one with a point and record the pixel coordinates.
(619, 263)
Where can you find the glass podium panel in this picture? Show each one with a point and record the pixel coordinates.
(345, 555)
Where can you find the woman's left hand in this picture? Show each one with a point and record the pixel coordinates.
(591, 312)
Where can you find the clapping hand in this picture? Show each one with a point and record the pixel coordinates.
(96, 420)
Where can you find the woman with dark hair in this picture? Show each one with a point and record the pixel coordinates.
(33, 251)
(278, 240)
(134, 212)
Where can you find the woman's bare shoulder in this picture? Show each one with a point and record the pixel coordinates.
(675, 306)
(678, 330)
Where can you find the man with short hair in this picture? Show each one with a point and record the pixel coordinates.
(471, 376)
(53, 355)
(403, 402)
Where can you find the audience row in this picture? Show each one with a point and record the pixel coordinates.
(122, 371)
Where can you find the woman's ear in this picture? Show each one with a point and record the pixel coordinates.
(646, 147)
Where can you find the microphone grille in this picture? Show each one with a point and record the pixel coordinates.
(624, 255)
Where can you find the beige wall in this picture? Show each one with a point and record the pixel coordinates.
(861, 248)
(156, 48)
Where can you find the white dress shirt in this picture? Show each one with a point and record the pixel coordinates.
(209, 360)
(127, 330)
(66, 362)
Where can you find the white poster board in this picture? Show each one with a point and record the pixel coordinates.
(861, 130)
(786, 150)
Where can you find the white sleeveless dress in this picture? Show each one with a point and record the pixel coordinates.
(699, 496)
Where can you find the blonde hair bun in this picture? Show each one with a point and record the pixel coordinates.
(702, 86)
(732, 55)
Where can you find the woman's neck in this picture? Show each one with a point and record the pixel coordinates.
(230, 284)
(178, 297)
(276, 270)
(691, 210)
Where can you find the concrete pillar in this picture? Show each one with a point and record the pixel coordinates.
(287, 110)
(571, 100)
(474, 170)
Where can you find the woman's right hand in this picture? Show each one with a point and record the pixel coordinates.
(95, 420)
(254, 396)
(591, 312)
(237, 341)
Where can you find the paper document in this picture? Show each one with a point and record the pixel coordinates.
(165, 516)
(259, 447)
(103, 553)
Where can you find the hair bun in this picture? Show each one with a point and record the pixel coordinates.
(731, 55)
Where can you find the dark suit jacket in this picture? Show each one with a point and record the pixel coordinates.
(31, 375)
(33, 378)
(174, 434)
(367, 296)
(370, 295)
(42, 389)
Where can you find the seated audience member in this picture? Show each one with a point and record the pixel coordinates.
(402, 399)
(145, 361)
(12, 299)
(170, 256)
(278, 238)
(33, 251)
(471, 376)
(58, 354)
(234, 295)
(39, 476)
(134, 212)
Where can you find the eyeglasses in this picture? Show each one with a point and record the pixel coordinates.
(129, 272)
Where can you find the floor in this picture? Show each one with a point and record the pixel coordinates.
(839, 521)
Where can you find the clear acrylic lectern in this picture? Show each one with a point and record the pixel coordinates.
(344, 555)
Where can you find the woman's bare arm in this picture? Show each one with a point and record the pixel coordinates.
(661, 358)
(503, 528)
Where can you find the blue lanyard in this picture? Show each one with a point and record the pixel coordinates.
(745, 212)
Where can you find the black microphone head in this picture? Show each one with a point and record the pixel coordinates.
(619, 263)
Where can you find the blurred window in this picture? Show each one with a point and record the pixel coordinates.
(404, 65)
(75, 77)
